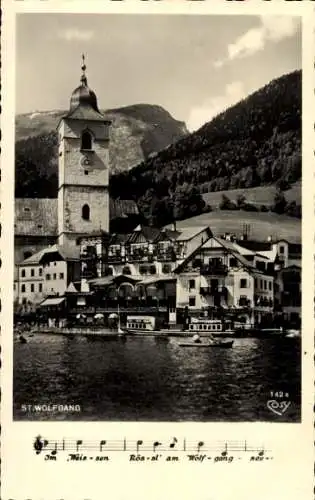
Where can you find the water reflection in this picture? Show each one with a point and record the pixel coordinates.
(143, 379)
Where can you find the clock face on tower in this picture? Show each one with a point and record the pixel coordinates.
(86, 161)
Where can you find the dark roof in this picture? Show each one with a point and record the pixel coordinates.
(85, 113)
(118, 238)
(295, 249)
(120, 208)
(36, 216)
(39, 216)
(256, 246)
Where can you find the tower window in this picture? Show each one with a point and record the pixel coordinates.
(86, 212)
(86, 140)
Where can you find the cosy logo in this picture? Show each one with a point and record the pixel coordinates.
(278, 407)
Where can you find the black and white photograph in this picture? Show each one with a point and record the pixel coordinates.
(157, 218)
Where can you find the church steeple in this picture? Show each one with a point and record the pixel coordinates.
(83, 97)
(83, 198)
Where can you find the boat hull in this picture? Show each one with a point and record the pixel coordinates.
(222, 345)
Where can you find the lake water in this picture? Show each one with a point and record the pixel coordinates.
(149, 380)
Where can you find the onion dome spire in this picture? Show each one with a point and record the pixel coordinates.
(83, 96)
(83, 67)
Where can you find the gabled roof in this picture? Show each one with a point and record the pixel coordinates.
(187, 233)
(226, 244)
(34, 259)
(144, 234)
(71, 288)
(65, 252)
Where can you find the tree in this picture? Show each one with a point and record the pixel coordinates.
(280, 203)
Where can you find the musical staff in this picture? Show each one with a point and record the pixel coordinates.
(222, 448)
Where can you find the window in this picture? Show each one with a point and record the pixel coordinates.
(270, 285)
(23, 273)
(192, 284)
(243, 301)
(48, 277)
(61, 276)
(86, 172)
(32, 273)
(256, 282)
(32, 287)
(54, 276)
(86, 212)
(265, 285)
(281, 249)
(40, 287)
(86, 140)
(55, 263)
(192, 302)
(233, 262)
(243, 283)
(14, 287)
(40, 272)
(23, 289)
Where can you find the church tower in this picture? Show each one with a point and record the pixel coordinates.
(83, 137)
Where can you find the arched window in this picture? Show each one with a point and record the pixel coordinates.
(86, 212)
(86, 140)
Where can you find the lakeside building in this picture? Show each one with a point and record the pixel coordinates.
(47, 273)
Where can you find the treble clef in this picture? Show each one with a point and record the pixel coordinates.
(39, 444)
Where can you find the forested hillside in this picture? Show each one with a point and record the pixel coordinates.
(255, 143)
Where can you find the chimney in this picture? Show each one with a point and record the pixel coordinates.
(174, 225)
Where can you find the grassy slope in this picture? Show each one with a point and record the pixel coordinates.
(262, 225)
(262, 195)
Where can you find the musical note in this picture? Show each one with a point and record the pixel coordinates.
(139, 443)
(156, 444)
(78, 444)
(39, 444)
(54, 451)
(261, 452)
(200, 445)
(124, 444)
(102, 443)
(173, 443)
(225, 452)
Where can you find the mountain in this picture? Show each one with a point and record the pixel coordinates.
(257, 142)
(137, 131)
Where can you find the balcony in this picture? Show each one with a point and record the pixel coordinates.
(213, 270)
(244, 302)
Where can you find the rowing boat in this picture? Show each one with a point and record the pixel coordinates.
(222, 344)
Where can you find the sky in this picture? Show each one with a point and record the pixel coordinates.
(193, 66)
